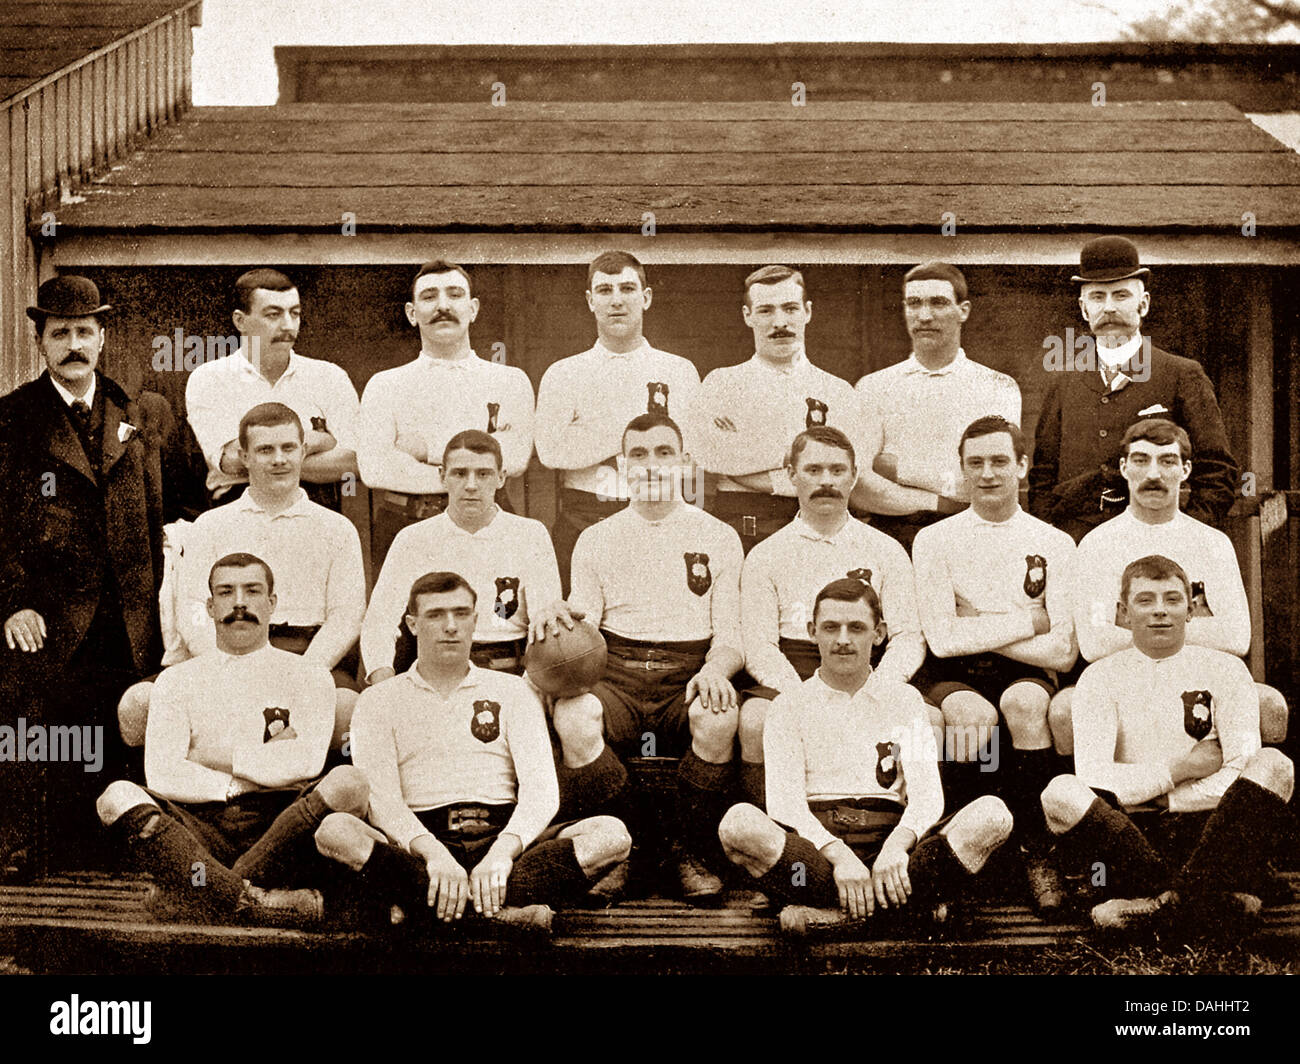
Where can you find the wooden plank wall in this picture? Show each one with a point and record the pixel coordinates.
(60, 131)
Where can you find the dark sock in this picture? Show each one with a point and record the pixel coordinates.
(182, 866)
(936, 873)
(1234, 849)
(547, 874)
(593, 789)
(269, 862)
(391, 876)
(753, 783)
(1031, 772)
(703, 796)
(963, 782)
(801, 876)
(1107, 837)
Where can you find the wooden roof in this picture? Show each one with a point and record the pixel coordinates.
(569, 167)
(39, 37)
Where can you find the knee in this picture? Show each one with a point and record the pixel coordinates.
(342, 837)
(1273, 715)
(1061, 720)
(133, 712)
(579, 719)
(118, 797)
(610, 837)
(966, 709)
(709, 727)
(346, 790)
(1025, 705)
(741, 826)
(1065, 800)
(753, 712)
(1273, 770)
(345, 701)
(980, 827)
(936, 726)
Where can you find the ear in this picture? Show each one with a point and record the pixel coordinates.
(409, 621)
(807, 312)
(1144, 304)
(647, 296)
(1121, 616)
(473, 309)
(272, 600)
(880, 634)
(211, 611)
(812, 631)
(410, 313)
(591, 303)
(747, 314)
(238, 318)
(963, 310)
(1187, 471)
(1022, 467)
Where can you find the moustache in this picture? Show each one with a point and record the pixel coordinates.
(781, 334)
(1152, 485)
(239, 614)
(444, 316)
(75, 358)
(284, 338)
(826, 493)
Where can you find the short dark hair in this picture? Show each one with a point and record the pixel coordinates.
(441, 266)
(824, 434)
(935, 270)
(849, 589)
(614, 263)
(652, 420)
(476, 441)
(991, 425)
(242, 560)
(774, 275)
(265, 415)
(436, 584)
(262, 277)
(1160, 431)
(1153, 567)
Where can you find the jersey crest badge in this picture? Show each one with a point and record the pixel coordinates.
(493, 410)
(863, 575)
(507, 603)
(277, 719)
(656, 398)
(816, 413)
(1196, 713)
(1035, 575)
(698, 577)
(318, 425)
(886, 764)
(485, 725)
(1200, 604)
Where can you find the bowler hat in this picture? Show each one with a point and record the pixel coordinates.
(69, 296)
(1109, 258)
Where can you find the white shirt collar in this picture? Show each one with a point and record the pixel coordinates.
(465, 362)
(980, 522)
(413, 676)
(826, 690)
(1113, 357)
(69, 398)
(914, 365)
(797, 362)
(604, 352)
(803, 528)
(249, 369)
(298, 508)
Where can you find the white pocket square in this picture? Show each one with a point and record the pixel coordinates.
(125, 431)
(1152, 410)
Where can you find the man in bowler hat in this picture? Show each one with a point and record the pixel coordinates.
(1075, 481)
(81, 525)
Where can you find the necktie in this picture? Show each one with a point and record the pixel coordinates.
(81, 412)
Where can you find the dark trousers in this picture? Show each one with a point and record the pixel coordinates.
(577, 510)
(753, 515)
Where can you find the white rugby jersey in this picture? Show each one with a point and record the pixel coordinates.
(673, 580)
(1134, 716)
(820, 743)
(780, 581)
(1220, 612)
(975, 582)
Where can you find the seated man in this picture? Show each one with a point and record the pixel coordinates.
(661, 579)
(508, 560)
(1174, 805)
(314, 551)
(463, 785)
(235, 743)
(853, 792)
(993, 593)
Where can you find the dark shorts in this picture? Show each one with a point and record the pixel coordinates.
(469, 829)
(988, 675)
(865, 823)
(753, 515)
(903, 527)
(644, 693)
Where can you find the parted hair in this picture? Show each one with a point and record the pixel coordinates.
(436, 584)
(263, 277)
(848, 589)
(265, 415)
(774, 275)
(1153, 567)
(939, 271)
(1160, 431)
(476, 441)
(652, 420)
(824, 434)
(990, 425)
(614, 263)
(242, 560)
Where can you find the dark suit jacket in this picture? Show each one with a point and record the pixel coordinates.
(66, 522)
(1077, 444)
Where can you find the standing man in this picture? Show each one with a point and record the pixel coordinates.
(1172, 793)
(507, 559)
(409, 413)
(661, 579)
(745, 416)
(267, 314)
(585, 400)
(853, 794)
(925, 402)
(1076, 483)
(782, 575)
(463, 785)
(82, 532)
(993, 585)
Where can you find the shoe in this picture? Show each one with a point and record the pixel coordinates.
(531, 920)
(1046, 887)
(1220, 917)
(697, 882)
(804, 920)
(291, 908)
(1132, 915)
(753, 900)
(610, 887)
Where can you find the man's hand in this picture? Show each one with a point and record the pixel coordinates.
(889, 875)
(725, 424)
(414, 446)
(230, 461)
(853, 880)
(949, 505)
(714, 690)
(759, 482)
(285, 733)
(1042, 622)
(549, 619)
(384, 672)
(1204, 759)
(487, 882)
(448, 884)
(25, 630)
(886, 465)
(317, 442)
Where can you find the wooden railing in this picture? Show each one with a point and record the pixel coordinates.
(61, 130)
